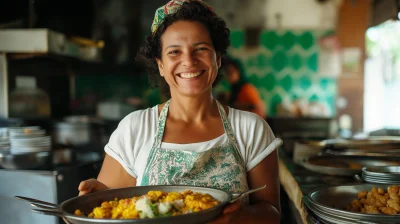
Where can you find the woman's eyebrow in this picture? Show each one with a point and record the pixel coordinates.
(195, 44)
(200, 43)
(172, 46)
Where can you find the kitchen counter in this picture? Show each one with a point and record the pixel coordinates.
(298, 182)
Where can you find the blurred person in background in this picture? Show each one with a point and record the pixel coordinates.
(244, 95)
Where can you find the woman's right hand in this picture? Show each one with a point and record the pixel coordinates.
(91, 185)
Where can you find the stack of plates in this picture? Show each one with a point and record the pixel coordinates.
(28, 140)
(381, 174)
(4, 139)
(329, 204)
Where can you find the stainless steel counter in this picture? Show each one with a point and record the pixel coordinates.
(53, 186)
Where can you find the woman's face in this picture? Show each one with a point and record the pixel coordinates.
(189, 62)
(232, 74)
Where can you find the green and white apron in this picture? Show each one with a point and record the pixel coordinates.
(220, 167)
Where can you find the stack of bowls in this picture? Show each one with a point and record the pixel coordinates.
(28, 148)
(381, 174)
(4, 139)
(28, 140)
(329, 204)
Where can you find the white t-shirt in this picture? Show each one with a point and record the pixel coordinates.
(131, 142)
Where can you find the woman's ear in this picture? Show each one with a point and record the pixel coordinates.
(160, 67)
(219, 60)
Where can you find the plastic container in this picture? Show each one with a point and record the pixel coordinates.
(27, 101)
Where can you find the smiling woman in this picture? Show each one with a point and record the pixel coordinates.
(192, 139)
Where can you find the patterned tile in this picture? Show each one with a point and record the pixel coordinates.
(296, 62)
(269, 40)
(312, 62)
(269, 82)
(288, 40)
(306, 40)
(275, 101)
(279, 61)
(286, 83)
(237, 39)
(304, 82)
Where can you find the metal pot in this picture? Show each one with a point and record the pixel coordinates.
(23, 161)
(87, 202)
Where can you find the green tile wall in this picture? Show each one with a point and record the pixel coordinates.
(285, 66)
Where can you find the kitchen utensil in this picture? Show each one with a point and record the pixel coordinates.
(87, 202)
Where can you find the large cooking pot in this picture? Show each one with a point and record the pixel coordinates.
(86, 203)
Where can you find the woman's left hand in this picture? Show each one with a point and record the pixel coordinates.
(230, 212)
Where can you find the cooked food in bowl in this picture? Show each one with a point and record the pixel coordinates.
(377, 201)
(153, 204)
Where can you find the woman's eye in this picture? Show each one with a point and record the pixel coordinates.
(173, 52)
(201, 49)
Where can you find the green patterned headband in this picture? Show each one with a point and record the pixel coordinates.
(168, 9)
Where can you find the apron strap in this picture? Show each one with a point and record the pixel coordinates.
(228, 130)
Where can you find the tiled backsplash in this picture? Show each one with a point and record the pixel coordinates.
(285, 67)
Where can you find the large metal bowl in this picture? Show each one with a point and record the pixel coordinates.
(86, 203)
(329, 203)
(346, 165)
(31, 160)
(381, 174)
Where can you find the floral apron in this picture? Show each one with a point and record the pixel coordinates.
(220, 167)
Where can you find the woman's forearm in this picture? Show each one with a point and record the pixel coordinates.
(261, 212)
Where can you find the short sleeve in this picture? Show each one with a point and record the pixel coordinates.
(120, 145)
(260, 142)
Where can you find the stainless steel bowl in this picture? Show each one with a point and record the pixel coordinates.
(346, 165)
(381, 174)
(330, 202)
(31, 160)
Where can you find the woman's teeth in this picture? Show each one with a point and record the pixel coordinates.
(190, 75)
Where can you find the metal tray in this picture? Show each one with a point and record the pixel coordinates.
(331, 202)
(87, 202)
(346, 165)
(382, 142)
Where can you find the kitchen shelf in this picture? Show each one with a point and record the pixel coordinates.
(35, 42)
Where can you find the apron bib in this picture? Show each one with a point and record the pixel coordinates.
(219, 167)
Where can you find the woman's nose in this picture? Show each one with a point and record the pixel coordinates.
(189, 60)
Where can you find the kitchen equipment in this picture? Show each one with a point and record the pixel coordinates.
(380, 143)
(24, 161)
(80, 130)
(304, 149)
(346, 165)
(87, 202)
(329, 204)
(54, 184)
(381, 174)
(292, 129)
(28, 101)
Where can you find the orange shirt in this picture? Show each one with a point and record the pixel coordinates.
(248, 94)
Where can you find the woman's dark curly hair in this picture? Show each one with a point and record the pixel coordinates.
(189, 11)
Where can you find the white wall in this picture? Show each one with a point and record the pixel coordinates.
(295, 14)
